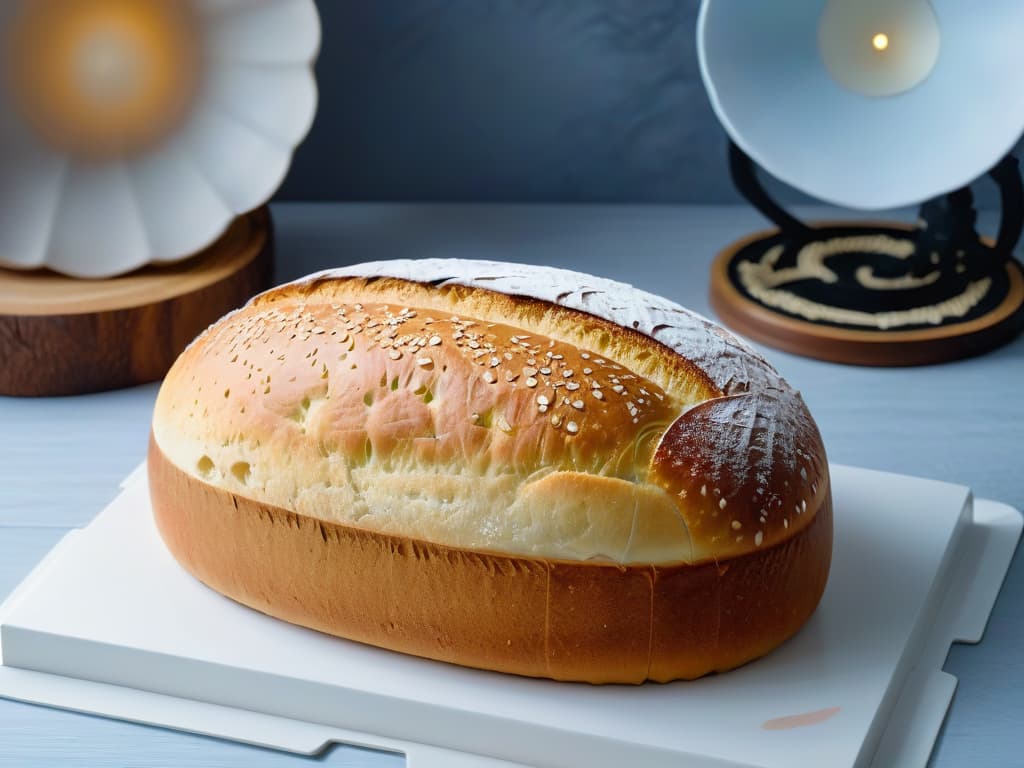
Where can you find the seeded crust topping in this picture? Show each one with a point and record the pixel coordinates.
(552, 378)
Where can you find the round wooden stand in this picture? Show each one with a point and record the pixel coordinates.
(920, 346)
(65, 336)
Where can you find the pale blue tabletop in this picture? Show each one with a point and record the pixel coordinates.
(61, 459)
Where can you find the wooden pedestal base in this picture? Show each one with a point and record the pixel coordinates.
(856, 346)
(63, 336)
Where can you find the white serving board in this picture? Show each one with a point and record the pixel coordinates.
(109, 624)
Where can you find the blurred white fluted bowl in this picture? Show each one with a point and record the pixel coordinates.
(134, 131)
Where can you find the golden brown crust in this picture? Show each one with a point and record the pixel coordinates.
(718, 457)
(503, 466)
(583, 621)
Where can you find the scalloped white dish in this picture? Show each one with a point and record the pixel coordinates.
(134, 131)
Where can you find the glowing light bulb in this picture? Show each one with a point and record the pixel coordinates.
(879, 47)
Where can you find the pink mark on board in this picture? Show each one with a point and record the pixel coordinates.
(800, 721)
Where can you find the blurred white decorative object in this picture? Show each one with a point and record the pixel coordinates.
(133, 132)
(871, 104)
(868, 104)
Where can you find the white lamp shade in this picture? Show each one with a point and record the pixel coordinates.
(85, 209)
(855, 137)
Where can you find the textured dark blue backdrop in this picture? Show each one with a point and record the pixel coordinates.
(564, 100)
(518, 100)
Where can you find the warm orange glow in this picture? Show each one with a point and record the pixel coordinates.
(103, 77)
(880, 41)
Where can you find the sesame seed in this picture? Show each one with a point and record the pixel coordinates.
(703, 490)
(721, 504)
(509, 376)
(797, 508)
(474, 345)
(475, 418)
(394, 354)
(543, 400)
(489, 377)
(572, 427)
(434, 341)
(503, 424)
(597, 393)
(803, 505)
(736, 525)
(618, 388)
(424, 361)
(572, 386)
(495, 362)
(577, 404)
(587, 371)
(556, 420)
(531, 382)
(785, 522)
(567, 374)
(542, 408)
(529, 371)
(758, 538)
(546, 371)
(585, 355)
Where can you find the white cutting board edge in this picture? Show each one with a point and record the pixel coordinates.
(982, 558)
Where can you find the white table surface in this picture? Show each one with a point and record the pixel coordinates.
(61, 459)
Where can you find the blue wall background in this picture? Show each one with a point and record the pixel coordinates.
(513, 100)
(539, 100)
